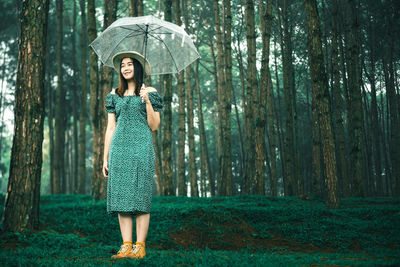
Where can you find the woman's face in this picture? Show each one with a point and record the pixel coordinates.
(127, 68)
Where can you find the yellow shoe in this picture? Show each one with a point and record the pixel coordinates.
(123, 251)
(138, 251)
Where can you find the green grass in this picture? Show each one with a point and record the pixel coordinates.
(223, 231)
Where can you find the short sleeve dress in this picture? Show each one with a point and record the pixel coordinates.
(131, 160)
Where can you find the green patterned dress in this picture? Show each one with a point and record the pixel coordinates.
(131, 160)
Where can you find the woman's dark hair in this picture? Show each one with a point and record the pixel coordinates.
(137, 78)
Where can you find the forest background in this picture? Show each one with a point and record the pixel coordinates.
(289, 98)
(279, 146)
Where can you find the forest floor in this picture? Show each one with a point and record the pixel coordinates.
(220, 231)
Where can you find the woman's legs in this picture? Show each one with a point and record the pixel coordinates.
(126, 226)
(142, 226)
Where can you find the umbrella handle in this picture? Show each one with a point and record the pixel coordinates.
(143, 86)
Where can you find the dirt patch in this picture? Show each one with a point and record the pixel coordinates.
(14, 244)
(232, 234)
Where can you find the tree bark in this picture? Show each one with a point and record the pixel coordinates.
(393, 101)
(21, 208)
(136, 8)
(194, 190)
(251, 98)
(220, 85)
(75, 175)
(182, 115)
(59, 125)
(265, 90)
(320, 88)
(356, 115)
(337, 97)
(205, 160)
(292, 186)
(266, 84)
(83, 100)
(167, 122)
(226, 166)
(97, 109)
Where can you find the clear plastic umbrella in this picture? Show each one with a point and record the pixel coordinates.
(166, 46)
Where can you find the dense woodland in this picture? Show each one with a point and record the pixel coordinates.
(290, 98)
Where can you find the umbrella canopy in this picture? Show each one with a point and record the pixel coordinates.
(166, 46)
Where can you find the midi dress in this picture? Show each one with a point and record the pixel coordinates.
(131, 158)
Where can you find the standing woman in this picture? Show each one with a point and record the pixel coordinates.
(129, 158)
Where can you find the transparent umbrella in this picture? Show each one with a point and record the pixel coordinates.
(166, 46)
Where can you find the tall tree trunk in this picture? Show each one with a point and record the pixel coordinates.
(182, 115)
(167, 122)
(220, 82)
(136, 8)
(279, 119)
(21, 208)
(265, 89)
(83, 101)
(266, 84)
(226, 167)
(288, 84)
(337, 97)
(375, 126)
(50, 122)
(97, 110)
(194, 191)
(59, 126)
(74, 104)
(205, 160)
(251, 98)
(320, 88)
(356, 118)
(346, 178)
(242, 72)
(393, 101)
(217, 125)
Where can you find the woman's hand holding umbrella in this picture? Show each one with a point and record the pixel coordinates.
(144, 94)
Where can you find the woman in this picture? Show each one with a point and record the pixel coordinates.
(129, 158)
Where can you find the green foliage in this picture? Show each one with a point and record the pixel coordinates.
(223, 231)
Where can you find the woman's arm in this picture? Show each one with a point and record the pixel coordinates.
(111, 123)
(153, 117)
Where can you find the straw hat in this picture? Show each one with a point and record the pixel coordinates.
(117, 58)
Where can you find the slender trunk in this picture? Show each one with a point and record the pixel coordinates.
(288, 84)
(167, 122)
(50, 122)
(97, 109)
(182, 115)
(21, 207)
(226, 168)
(74, 104)
(205, 165)
(279, 121)
(136, 8)
(83, 101)
(251, 98)
(220, 82)
(337, 98)
(242, 72)
(356, 119)
(320, 88)
(345, 181)
(393, 109)
(59, 126)
(265, 89)
(194, 191)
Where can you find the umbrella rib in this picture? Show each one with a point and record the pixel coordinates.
(127, 28)
(158, 38)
